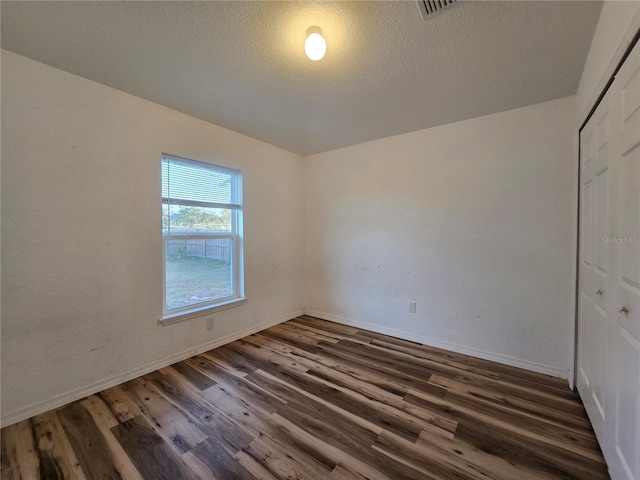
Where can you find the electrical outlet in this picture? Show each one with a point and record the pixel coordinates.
(210, 323)
(412, 306)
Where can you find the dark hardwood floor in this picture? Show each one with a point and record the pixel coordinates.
(312, 399)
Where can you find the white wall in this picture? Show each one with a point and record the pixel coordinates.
(618, 23)
(81, 234)
(473, 220)
(476, 221)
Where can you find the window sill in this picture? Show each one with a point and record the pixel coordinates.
(200, 312)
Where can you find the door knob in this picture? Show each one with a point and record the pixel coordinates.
(623, 309)
(598, 292)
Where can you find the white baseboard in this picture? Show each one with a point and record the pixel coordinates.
(96, 387)
(473, 352)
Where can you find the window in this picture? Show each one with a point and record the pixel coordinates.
(202, 234)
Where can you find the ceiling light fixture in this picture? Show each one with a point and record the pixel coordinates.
(315, 46)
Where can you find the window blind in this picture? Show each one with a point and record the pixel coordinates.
(190, 183)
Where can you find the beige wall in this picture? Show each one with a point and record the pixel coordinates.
(81, 234)
(475, 221)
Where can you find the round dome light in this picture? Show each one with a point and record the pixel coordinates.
(315, 46)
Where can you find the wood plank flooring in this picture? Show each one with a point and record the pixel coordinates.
(311, 399)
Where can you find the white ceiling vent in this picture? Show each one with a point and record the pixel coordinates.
(430, 8)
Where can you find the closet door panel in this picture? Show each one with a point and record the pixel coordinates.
(601, 232)
(626, 444)
(628, 250)
(602, 205)
(628, 198)
(630, 103)
(585, 330)
(595, 268)
(598, 361)
(585, 336)
(609, 271)
(626, 279)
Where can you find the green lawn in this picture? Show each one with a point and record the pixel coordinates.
(193, 280)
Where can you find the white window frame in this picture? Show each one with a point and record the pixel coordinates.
(237, 258)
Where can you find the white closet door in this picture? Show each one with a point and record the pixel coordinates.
(597, 151)
(585, 335)
(609, 271)
(625, 455)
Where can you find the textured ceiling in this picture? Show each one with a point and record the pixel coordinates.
(242, 64)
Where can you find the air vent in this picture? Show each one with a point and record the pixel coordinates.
(430, 8)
